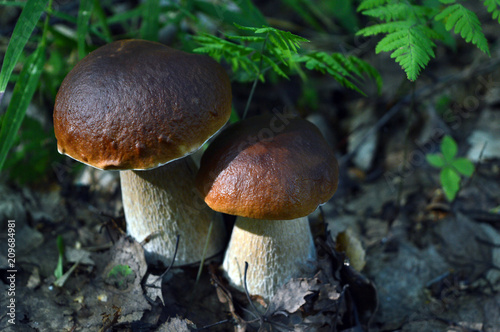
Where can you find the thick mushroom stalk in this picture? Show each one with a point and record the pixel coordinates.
(158, 205)
(271, 172)
(276, 251)
(140, 107)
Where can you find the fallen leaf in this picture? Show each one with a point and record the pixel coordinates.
(176, 324)
(292, 295)
(347, 242)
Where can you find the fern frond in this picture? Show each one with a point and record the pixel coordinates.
(397, 11)
(465, 23)
(367, 69)
(493, 7)
(273, 65)
(262, 49)
(389, 27)
(235, 54)
(345, 70)
(251, 39)
(411, 47)
(282, 44)
(369, 4)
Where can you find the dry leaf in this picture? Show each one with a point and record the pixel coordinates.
(176, 324)
(292, 295)
(348, 243)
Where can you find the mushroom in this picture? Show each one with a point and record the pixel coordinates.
(142, 107)
(271, 172)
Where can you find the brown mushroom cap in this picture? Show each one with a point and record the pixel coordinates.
(136, 104)
(261, 169)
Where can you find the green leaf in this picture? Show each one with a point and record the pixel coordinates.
(336, 65)
(21, 97)
(120, 270)
(300, 7)
(22, 31)
(450, 181)
(150, 20)
(118, 275)
(246, 15)
(465, 23)
(369, 4)
(82, 29)
(412, 49)
(102, 21)
(449, 148)
(493, 7)
(396, 11)
(435, 160)
(464, 166)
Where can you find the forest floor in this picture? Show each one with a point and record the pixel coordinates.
(425, 264)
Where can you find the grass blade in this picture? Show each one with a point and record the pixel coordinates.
(21, 97)
(83, 25)
(150, 20)
(102, 19)
(24, 27)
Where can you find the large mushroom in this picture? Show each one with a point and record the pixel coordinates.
(141, 107)
(271, 172)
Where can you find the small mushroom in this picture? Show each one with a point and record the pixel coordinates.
(142, 107)
(271, 174)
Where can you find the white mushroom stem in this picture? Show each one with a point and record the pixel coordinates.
(276, 251)
(161, 204)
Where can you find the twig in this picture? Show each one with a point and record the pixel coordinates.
(248, 295)
(214, 324)
(169, 267)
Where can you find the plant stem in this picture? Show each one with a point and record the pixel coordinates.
(254, 85)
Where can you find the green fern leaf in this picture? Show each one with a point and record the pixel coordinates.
(412, 47)
(369, 4)
(274, 66)
(235, 54)
(465, 23)
(493, 7)
(345, 70)
(251, 39)
(383, 28)
(397, 12)
(390, 12)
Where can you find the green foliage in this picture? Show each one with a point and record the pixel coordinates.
(411, 30)
(465, 23)
(33, 154)
(68, 42)
(255, 51)
(84, 13)
(493, 7)
(451, 167)
(28, 79)
(347, 70)
(120, 274)
(280, 52)
(323, 15)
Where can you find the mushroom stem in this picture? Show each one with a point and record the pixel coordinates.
(162, 203)
(276, 251)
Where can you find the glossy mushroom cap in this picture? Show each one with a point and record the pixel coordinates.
(260, 168)
(136, 104)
